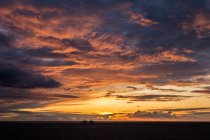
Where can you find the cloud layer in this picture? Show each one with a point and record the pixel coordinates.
(76, 51)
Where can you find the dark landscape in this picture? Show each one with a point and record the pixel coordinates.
(105, 131)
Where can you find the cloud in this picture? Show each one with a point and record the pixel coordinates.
(45, 52)
(97, 45)
(134, 88)
(200, 24)
(12, 76)
(48, 62)
(166, 56)
(5, 3)
(169, 10)
(12, 94)
(188, 114)
(65, 3)
(171, 72)
(202, 91)
(51, 116)
(196, 115)
(43, 56)
(45, 116)
(199, 113)
(164, 90)
(5, 40)
(80, 44)
(140, 19)
(26, 13)
(183, 109)
(13, 99)
(183, 114)
(149, 115)
(154, 97)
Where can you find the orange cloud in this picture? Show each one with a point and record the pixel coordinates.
(171, 56)
(140, 19)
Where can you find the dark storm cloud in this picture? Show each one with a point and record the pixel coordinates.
(161, 98)
(5, 40)
(150, 115)
(12, 76)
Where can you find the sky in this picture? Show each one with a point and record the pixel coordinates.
(105, 60)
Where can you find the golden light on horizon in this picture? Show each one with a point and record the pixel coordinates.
(105, 113)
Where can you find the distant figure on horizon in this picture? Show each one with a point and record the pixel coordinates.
(91, 122)
(84, 122)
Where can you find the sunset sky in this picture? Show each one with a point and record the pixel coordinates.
(116, 60)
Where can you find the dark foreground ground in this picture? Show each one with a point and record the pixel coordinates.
(104, 131)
